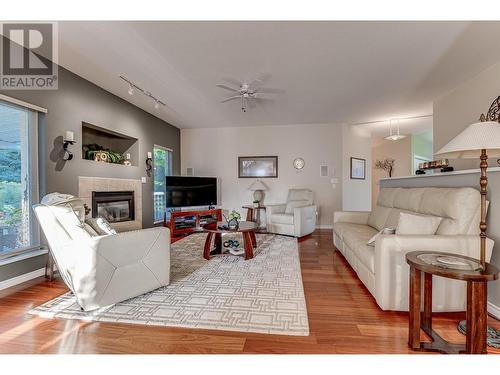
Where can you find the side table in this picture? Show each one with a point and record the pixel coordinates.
(451, 266)
(253, 214)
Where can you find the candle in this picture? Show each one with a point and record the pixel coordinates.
(150, 155)
(69, 136)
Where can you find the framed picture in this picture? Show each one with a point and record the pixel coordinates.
(358, 169)
(257, 167)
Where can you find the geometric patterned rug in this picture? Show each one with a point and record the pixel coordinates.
(262, 295)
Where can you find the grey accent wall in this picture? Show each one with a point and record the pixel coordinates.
(470, 180)
(79, 100)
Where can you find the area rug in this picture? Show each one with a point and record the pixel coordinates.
(263, 295)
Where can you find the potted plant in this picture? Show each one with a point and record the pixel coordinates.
(232, 220)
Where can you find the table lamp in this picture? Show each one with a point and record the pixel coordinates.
(479, 140)
(258, 188)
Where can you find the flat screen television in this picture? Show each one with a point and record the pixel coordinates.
(191, 191)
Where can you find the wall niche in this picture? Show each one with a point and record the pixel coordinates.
(104, 145)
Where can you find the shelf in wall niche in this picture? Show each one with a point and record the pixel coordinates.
(110, 140)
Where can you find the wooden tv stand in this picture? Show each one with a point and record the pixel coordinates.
(183, 223)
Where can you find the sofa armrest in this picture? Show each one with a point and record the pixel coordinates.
(304, 220)
(391, 269)
(128, 247)
(354, 217)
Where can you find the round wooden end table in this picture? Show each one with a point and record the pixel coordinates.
(451, 266)
(246, 228)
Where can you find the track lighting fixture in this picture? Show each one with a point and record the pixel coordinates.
(133, 87)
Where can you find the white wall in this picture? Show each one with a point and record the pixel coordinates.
(356, 142)
(215, 151)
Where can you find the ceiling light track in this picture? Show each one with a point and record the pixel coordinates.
(134, 87)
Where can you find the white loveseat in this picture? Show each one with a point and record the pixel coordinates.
(103, 270)
(296, 217)
(383, 269)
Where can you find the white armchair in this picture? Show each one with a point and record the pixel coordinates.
(104, 270)
(296, 218)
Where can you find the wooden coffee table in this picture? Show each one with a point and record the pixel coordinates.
(246, 228)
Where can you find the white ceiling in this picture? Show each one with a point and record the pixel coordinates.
(330, 72)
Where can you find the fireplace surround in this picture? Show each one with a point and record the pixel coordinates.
(87, 185)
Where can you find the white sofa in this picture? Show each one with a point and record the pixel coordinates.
(103, 270)
(383, 268)
(296, 217)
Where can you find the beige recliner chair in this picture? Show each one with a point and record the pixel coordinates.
(104, 270)
(296, 217)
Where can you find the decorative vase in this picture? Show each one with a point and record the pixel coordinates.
(233, 224)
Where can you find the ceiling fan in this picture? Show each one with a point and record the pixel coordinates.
(248, 93)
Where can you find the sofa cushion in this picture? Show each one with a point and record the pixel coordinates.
(408, 199)
(354, 233)
(341, 228)
(378, 217)
(282, 218)
(293, 204)
(386, 197)
(393, 218)
(417, 224)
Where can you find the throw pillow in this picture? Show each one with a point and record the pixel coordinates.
(417, 224)
(101, 226)
(378, 217)
(90, 230)
(371, 241)
(294, 204)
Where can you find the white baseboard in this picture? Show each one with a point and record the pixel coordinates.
(327, 226)
(494, 310)
(22, 278)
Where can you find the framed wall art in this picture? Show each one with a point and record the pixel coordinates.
(257, 167)
(358, 169)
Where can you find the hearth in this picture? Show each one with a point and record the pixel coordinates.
(114, 206)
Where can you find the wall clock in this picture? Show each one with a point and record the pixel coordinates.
(299, 163)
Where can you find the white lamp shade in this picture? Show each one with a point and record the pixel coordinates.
(469, 143)
(257, 185)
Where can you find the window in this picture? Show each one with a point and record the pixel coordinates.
(18, 179)
(162, 161)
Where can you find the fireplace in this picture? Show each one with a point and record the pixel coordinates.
(114, 206)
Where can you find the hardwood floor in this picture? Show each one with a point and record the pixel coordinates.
(343, 318)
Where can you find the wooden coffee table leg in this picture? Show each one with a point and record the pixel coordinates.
(477, 317)
(427, 314)
(254, 240)
(247, 242)
(414, 309)
(208, 246)
(218, 243)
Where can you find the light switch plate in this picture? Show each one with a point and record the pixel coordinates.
(143, 180)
